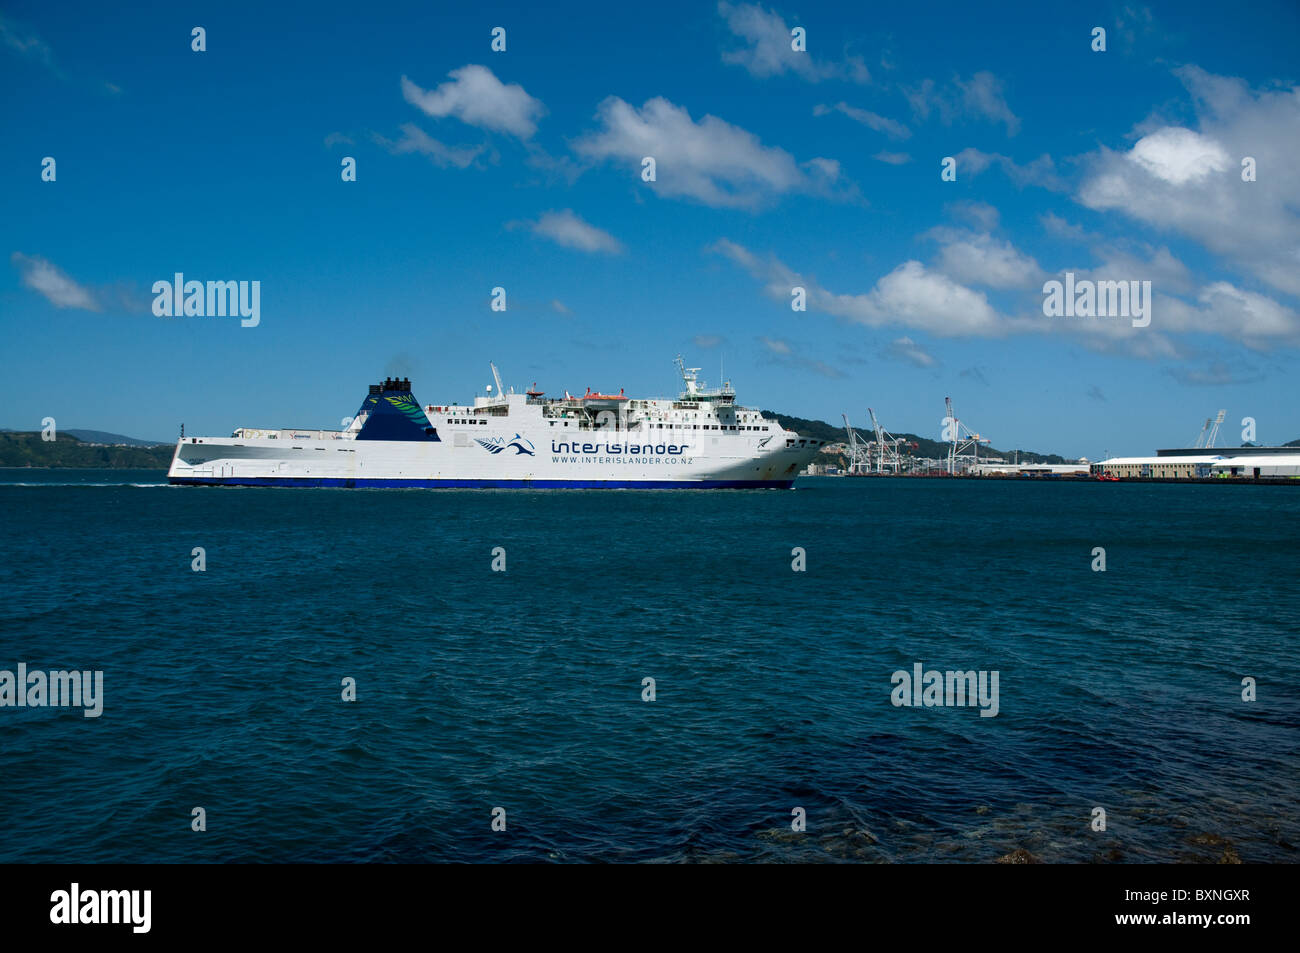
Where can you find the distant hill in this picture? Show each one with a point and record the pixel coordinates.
(18, 449)
(820, 430)
(112, 439)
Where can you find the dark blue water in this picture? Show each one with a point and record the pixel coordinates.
(522, 689)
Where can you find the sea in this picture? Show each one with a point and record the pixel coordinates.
(573, 676)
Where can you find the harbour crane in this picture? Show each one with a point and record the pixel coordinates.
(886, 446)
(1212, 425)
(859, 459)
(962, 439)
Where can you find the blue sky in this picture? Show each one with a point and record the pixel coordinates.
(775, 168)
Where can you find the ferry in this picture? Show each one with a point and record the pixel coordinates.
(702, 439)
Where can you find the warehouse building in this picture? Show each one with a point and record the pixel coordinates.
(1258, 465)
(1157, 468)
(1204, 464)
(1030, 469)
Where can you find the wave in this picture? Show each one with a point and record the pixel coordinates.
(5, 483)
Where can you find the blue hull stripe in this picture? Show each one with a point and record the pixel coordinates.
(487, 484)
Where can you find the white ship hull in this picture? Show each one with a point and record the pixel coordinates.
(510, 441)
(383, 464)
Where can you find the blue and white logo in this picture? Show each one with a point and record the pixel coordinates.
(497, 444)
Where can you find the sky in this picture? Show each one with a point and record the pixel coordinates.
(821, 168)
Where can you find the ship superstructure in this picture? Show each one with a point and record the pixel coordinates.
(700, 439)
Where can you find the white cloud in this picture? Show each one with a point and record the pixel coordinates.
(1179, 156)
(942, 299)
(1216, 374)
(980, 97)
(768, 51)
(916, 297)
(475, 96)
(909, 296)
(57, 288)
(25, 42)
(710, 160)
(1224, 309)
(1188, 180)
(905, 349)
(1040, 172)
(976, 258)
(567, 229)
(1130, 21)
(889, 127)
(1160, 266)
(1179, 307)
(414, 139)
(782, 352)
(1058, 227)
(893, 158)
(981, 214)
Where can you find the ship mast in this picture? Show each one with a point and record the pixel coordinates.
(690, 376)
(496, 376)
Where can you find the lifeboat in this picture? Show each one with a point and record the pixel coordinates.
(591, 395)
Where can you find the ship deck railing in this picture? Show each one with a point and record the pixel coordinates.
(259, 433)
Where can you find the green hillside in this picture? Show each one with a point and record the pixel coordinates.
(820, 430)
(101, 436)
(29, 450)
